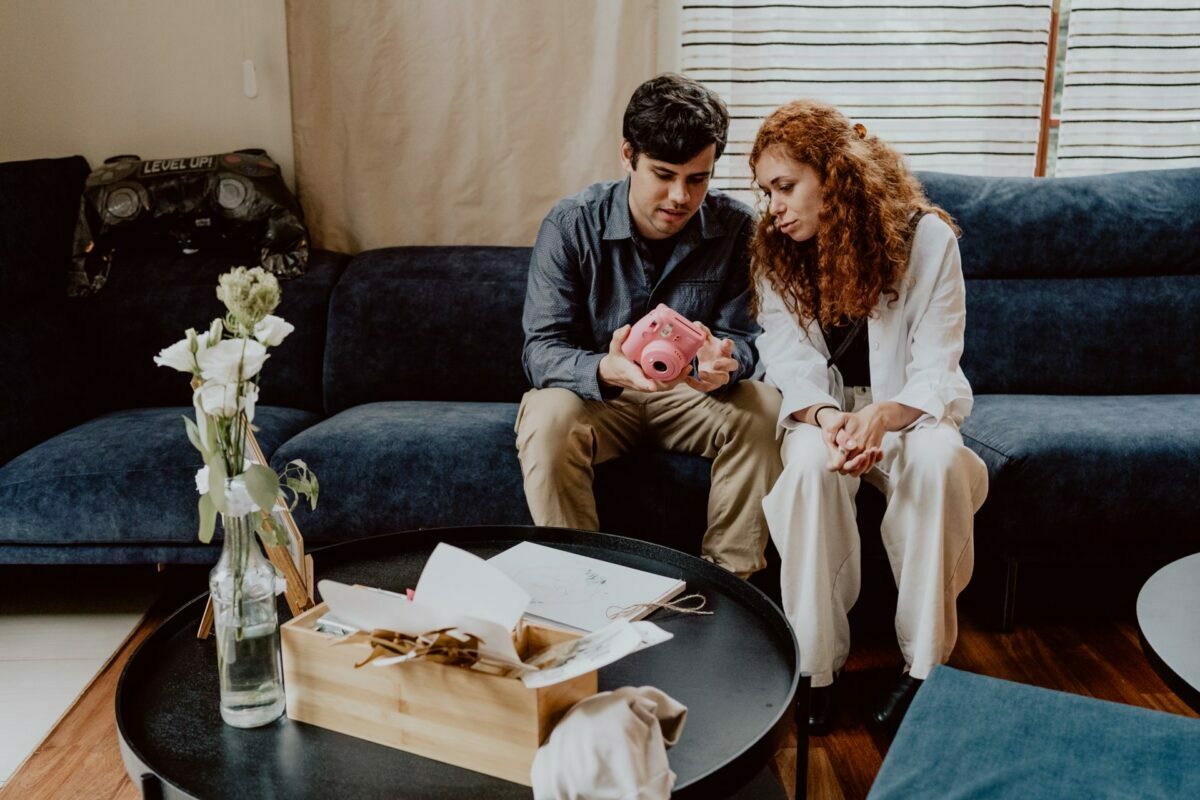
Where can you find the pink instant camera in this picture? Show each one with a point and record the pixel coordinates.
(663, 343)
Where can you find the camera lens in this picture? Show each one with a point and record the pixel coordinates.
(659, 366)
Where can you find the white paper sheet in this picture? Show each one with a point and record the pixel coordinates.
(578, 591)
(611, 643)
(457, 581)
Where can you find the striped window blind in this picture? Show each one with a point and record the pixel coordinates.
(1131, 87)
(956, 86)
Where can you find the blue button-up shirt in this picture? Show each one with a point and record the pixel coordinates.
(587, 278)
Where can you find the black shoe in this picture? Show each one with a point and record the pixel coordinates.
(895, 704)
(820, 709)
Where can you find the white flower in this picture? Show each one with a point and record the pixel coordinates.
(183, 354)
(215, 331)
(202, 479)
(249, 398)
(223, 400)
(231, 360)
(238, 502)
(273, 330)
(177, 356)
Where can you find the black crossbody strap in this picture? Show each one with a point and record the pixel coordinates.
(845, 345)
(858, 326)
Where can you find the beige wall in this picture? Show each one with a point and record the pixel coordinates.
(159, 78)
(427, 122)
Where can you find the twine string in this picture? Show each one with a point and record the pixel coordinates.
(674, 605)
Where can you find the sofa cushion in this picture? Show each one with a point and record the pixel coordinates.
(148, 303)
(386, 467)
(973, 736)
(126, 477)
(42, 365)
(39, 206)
(1084, 285)
(432, 323)
(1120, 225)
(1083, 336)
(1116, 475)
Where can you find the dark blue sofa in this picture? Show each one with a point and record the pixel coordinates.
(401, 382)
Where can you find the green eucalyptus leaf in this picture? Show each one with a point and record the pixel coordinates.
(208, 518)
(263, 485)
(216, 483)
(272, 532)
(193, 434)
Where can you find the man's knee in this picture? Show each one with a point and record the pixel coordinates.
(551, 422)
(755, 413)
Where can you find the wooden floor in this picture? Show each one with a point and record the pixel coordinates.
(1088, 645)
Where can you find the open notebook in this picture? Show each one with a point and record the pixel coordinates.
(579, 592)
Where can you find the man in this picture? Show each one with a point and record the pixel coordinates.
(603, 259)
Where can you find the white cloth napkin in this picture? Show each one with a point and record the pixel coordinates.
(611, 746)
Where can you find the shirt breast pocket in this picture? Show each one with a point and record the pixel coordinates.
(695, 299)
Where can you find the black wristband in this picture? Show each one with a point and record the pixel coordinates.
(817, 413)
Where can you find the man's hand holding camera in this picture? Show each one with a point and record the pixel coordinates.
(619, 371)
(716, 362)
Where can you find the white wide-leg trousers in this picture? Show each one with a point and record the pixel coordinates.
(933, 485)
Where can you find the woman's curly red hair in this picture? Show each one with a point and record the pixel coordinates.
(860, 250)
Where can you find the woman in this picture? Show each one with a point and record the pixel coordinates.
(861, 299)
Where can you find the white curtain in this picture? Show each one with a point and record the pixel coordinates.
(1131, 88)
(955, 86)
(435, 122)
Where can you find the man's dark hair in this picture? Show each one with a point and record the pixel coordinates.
(672, 118)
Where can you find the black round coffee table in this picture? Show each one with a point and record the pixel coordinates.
(1168, 617)
(737, 671)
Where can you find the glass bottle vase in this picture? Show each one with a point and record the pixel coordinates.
(246, 624)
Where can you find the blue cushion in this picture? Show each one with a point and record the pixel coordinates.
(126, 477)
(1084, 285)
(969, 736)
(1083, 336)
(1114, 472)
(1124, 224)
(386, 467)
(394, 466)
(148, 304)
(39, 205)
(113, 553)
(433, 323)
(41, 359)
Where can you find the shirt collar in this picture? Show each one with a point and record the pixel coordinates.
(619, 225)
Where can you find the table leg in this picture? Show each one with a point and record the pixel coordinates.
(800, 787)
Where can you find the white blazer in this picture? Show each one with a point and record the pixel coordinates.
(915, 342)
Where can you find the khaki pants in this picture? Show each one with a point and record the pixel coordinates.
(933, 485)
(561, 437)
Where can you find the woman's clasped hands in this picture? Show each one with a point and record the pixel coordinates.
(854, 440)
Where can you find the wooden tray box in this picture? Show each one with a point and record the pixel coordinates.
(464, 717)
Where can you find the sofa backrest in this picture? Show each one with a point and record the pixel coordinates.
(427, 323)
(1074, 286)
(39, 395)
(1084, 285)
(148, 303)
